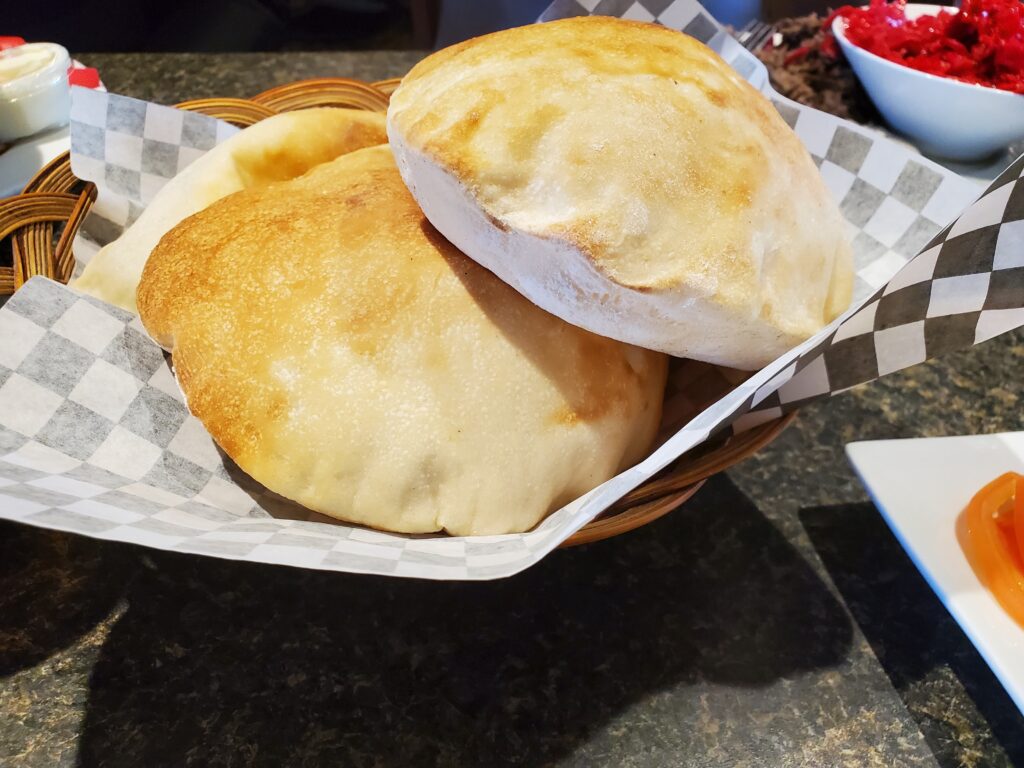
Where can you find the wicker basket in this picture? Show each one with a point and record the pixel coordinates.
(42, 221)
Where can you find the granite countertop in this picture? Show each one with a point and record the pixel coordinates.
(771, 621)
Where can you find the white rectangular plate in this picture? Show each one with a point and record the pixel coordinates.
(921, 486)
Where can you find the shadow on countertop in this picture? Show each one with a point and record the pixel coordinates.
(222, 663)
(56, 588)
(962, 710)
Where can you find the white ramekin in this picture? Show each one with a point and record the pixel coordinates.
(34, 90)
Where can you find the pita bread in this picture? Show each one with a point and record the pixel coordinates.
(623, 177)
(278, 148)
(348, 357)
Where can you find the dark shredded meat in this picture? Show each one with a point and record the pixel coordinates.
(800, 70)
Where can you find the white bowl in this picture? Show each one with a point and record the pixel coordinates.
(34, 90)
(943, 117)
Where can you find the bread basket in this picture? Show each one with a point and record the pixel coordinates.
(40, 224)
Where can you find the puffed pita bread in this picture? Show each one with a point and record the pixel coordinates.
(278, 148)
(348, 357)
(623, 177)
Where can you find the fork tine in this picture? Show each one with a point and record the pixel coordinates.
(750, 31)
(750, 26)
(755, 34)
(762, 38)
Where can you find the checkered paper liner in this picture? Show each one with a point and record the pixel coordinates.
(95, 436)
(130, 149)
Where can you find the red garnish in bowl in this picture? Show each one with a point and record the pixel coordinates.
(982, 43)
(797, 54)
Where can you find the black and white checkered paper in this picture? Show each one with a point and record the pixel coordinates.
(130, 149)
(95, 436)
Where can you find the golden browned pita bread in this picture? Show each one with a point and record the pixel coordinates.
(349, 358)
(625, 178)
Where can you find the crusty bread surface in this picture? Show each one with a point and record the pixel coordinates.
(622, 176)
(348, 357)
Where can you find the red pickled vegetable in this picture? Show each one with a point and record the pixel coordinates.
(796, 54)
(982, 43)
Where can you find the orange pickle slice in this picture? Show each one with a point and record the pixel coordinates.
(991, 533)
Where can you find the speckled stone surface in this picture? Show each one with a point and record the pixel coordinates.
(170, 78)
(772, 621)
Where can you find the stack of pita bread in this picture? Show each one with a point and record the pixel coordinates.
(462, 324)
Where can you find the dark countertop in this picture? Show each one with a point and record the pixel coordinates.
(771, 621)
